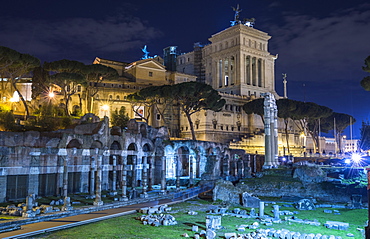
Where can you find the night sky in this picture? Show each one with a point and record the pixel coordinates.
(321, 45)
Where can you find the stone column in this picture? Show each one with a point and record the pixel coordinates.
(124, 178)
(92, 174)
(151, 173)
(114, 177)
(134, 172)
(104, 179)
(191, 173)
(33, 176)
(197, 173)
(276, 147)
(269, 135)
(67, 201)
(163, 175)
(98, 201)
(276, 212)
(145, 176)
(226, 168)
(262, 209)
(177, 160)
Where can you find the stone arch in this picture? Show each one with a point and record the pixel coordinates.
(132, 147)
(146, 148)
(96, 145)
(115, 146)
(74, 143)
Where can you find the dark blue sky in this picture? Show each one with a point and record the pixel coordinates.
(321, 45)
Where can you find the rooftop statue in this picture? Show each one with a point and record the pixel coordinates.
(236, 15)
(146, 53)
(246, 21)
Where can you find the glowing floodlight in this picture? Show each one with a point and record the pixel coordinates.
(51, 94)
(356, 158)
(347, 161)
(105, 107)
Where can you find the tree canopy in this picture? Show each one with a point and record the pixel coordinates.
(67, 75)
(255, 107)
(191, 97)
(15, 65)
(365, 136)
(365, 83)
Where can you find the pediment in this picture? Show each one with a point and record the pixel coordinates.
(151, 64)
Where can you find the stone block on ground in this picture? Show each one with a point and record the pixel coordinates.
(250, 201)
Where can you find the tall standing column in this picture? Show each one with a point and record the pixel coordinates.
(134, 172)
(151, 173)
(276, 146)
(67, 201)
(191, 173)
(197, 173)
(114, 177)
(177, 160)
(124, 178)
(163, 175)
(98, 201)
(145, 176)
(92, 175)
(268, 142)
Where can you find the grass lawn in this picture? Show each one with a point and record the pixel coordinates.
(128, 227)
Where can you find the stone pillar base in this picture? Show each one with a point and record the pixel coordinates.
(67, 208)
(98, 203)
(123, 199)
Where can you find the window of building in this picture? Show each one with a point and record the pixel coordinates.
(158, 116)
(79, 88)
(110, 97)
(150, 73)
(117, 97)
(97, 97)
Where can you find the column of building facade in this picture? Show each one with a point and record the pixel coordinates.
(151, 173)
(105, 169)
(276, 147)
(197, 172)
(163, 174)
(98, 179)
(145, 176)
(34, 172)
(177, 160)
(85, 170)
(93, 155)
(124, 176)
(191, 169)
(114, 177)
(64, 154)
(226, 169)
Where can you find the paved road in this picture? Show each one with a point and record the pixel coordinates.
(33, 229)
